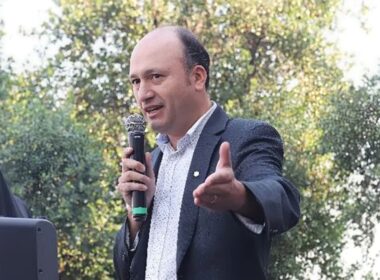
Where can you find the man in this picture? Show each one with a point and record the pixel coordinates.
(213, 186)
(10, 205)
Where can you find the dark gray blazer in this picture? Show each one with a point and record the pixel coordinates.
(213, 245)
(11, 205)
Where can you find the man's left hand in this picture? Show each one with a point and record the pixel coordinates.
(221, 190)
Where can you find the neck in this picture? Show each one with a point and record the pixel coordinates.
(174, 138)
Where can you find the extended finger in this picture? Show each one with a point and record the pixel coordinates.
(224, 156)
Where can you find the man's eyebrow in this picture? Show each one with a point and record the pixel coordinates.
(131, 76)
(145, 73)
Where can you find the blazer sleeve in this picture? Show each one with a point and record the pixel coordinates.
(21, 208)
(128, 264)
(121, 257)
(259, 167)
(11, 205)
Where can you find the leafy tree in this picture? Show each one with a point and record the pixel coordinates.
(58, 168)
(352, 136)
(351, 128)
(4, 87)
(269, 62)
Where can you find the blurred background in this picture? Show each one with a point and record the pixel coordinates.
(310, 68)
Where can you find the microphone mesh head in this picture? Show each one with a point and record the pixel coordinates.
(134, 123)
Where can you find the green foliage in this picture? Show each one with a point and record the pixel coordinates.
(353, 127)
(57, 168)
(4, 84)
(269, 61)
(4, 88)
(352, 136)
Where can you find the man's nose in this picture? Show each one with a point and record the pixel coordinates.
(144, 92)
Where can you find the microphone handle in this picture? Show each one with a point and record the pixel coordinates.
(139, 209)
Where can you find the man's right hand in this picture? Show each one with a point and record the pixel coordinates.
(132, 179)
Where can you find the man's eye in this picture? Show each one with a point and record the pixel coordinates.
(156, 76)
(135, 81)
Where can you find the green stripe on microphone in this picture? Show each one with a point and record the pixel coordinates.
(139, 211)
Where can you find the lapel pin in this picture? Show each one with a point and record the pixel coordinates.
(196, 173)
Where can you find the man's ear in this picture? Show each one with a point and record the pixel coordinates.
(199, 76)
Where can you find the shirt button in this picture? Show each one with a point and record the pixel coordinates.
(196, 173)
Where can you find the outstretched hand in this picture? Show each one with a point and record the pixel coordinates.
(221, 190)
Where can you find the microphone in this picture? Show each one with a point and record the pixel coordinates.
(135, 125)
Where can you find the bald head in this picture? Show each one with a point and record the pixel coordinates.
(159, 41)
(158, 47)
(192, 51)
(162, 30)
(166, 33)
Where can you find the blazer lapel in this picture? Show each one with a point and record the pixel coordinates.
(156, 160)
(198, 172)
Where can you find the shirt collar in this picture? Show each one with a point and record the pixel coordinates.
(191, 134)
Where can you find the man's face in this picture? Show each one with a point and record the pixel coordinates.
(162, 85)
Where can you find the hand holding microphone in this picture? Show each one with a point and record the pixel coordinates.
(137, 181)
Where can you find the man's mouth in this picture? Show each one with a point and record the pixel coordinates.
(150, 110)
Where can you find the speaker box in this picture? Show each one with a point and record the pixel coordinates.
(28, 249)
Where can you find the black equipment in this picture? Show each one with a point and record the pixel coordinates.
(28, 249)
